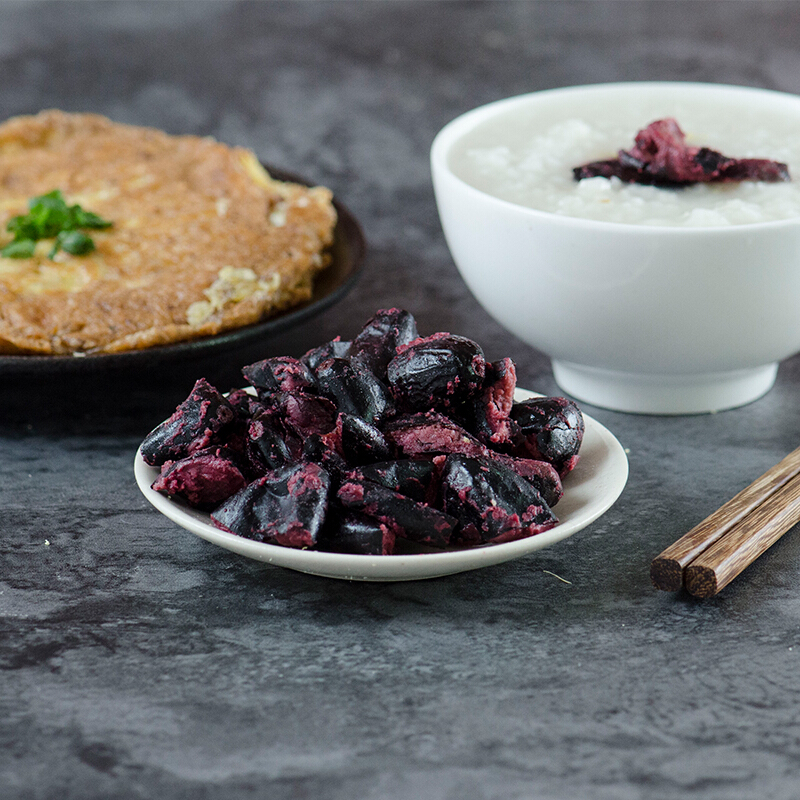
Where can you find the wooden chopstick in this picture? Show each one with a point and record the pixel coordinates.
(671, 569)
(717, 566)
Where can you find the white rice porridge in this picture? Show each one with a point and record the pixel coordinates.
(526, 156)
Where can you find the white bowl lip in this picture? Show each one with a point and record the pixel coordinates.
(462, 124)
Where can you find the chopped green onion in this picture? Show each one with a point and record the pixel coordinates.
(19, 248)
(76, 243)
(49, 217)
(88, 219)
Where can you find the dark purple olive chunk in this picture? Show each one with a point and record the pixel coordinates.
(358, 535)
(661, 156)
(267, 445)
(541, 474)
(320, 450)
(360, 442)
(379, 339)
(415, 479)
(611, 168)
(748, 169)
(280, 374)
(305, 414)
(425, 435)
(407, 518)
(552, 430)
(285, 507)
(487, 414)
(198, 422)
(203, 479)
(353, 390)
(491, 502)
(336, 348)
(440, 371)
(244, 404)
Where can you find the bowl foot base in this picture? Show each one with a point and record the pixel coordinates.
(664, 394)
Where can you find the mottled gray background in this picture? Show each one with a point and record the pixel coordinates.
(137, 661)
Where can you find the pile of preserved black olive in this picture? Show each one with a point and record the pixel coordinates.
(358, 443)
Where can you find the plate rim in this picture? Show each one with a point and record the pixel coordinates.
(396, 567)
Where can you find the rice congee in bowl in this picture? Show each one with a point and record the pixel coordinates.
(648, 298)
(526, 157)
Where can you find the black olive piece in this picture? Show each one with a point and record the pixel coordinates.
(305, 414)
(318, 450)
(407, 518)
(427, 434)
(280, 374)
(491, 502)
(235, 439)
(285, 507)
(198, 422)
(267, 444)
(377, 343)
(357, 535)
(660, 156)
(552, 429)
(361, 443)
(415, 479)
(754, 169)
(487, 414)
(353, 390)
(613, 168)
(541, 474)
(440, 371)
(204, 479)
(243, 403)
(336, 348)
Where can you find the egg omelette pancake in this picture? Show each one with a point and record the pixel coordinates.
(203, 240)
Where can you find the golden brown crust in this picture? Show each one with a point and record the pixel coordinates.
(203, 240)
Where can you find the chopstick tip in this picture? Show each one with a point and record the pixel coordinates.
(666, 574)
(701, 581)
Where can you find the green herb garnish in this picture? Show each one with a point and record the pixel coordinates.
(19, 248)
(75, 242)
(50, 217)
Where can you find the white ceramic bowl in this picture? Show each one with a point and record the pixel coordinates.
(640, 318)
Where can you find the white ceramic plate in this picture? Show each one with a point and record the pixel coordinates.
(589, 491)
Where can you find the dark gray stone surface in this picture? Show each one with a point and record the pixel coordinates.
(137, 661)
